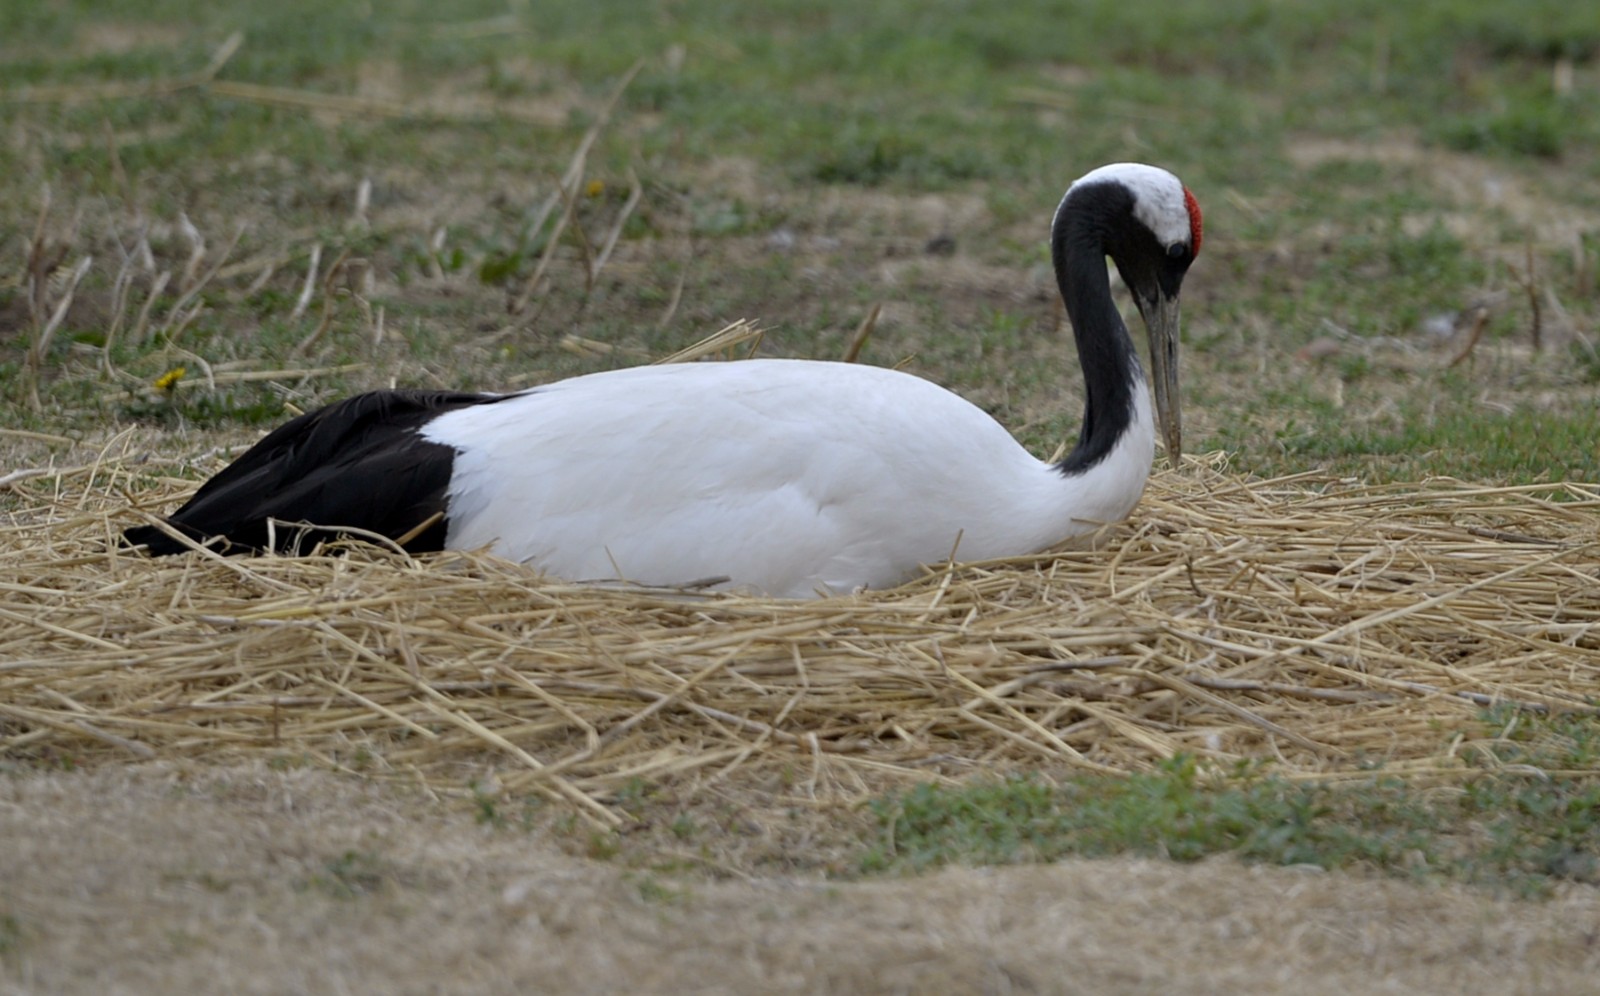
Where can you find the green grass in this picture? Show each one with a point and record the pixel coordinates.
(1521, 445)
(1445, 429)
(1528, 820)
(1006, 106)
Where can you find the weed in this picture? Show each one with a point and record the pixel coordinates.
(683, 827)
(634, 794)
(351, 875)
(653, 890)
(486, 807)
(206, 411)
(1586, 361)
(603, 846)
(11, 934)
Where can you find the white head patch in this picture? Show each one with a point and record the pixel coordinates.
(1158, 198)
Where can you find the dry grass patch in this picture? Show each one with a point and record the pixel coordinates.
(1321, 624)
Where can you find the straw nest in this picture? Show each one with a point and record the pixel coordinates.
(1314, 623)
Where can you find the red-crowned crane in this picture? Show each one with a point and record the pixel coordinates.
(788, 477)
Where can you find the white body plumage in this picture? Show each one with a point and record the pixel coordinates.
(790, 477)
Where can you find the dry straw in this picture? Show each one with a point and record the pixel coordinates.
(1314, 623)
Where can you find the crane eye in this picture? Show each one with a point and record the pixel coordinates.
(1176, 250)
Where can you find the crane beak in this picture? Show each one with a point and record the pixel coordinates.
(1160, 314)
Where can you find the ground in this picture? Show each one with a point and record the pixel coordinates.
(160, 878)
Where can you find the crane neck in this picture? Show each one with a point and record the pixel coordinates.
(1111, 371)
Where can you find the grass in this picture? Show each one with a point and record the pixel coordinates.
(1367, 431)
(815, 97)
(1529, 821)
(1369, 172)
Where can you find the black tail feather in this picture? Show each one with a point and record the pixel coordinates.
(358, 463)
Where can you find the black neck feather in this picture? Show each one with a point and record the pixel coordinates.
(1111, 371)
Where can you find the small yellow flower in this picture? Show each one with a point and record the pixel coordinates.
(595, 188)
(169, 380)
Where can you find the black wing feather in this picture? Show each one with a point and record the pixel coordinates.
(357, 463)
